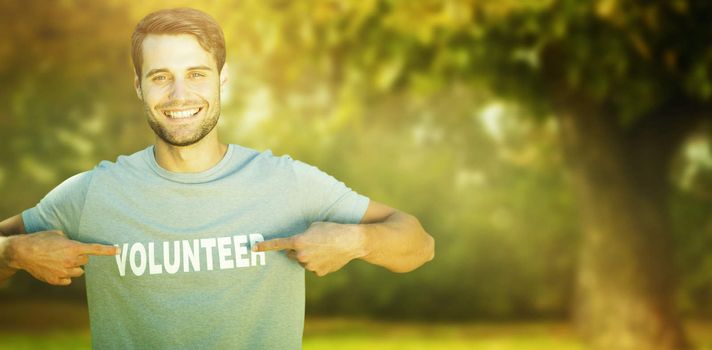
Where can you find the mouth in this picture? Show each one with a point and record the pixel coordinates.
(182, 113)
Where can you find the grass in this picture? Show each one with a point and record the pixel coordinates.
(365, 334)
(360, 334)
(50, 325)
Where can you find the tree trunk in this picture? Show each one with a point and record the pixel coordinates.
(625, 282)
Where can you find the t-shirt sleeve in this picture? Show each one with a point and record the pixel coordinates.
(61, 208)
(326, 198)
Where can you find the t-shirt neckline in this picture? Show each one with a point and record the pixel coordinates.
(203, 176)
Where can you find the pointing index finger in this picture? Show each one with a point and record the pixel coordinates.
(273, 244)
(98, 249)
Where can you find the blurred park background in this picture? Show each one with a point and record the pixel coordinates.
(558, 151)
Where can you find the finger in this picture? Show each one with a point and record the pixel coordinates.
(292, 254)
(61, 281)
(98, 249)
(273, 244)
(309, 266)
(81, 260)
(75, 272)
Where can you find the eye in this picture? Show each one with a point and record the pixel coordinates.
(196, 75)
(159, 78)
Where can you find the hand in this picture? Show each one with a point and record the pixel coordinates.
(51, 257)
(323, 248)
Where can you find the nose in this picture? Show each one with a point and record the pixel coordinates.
(179, 90)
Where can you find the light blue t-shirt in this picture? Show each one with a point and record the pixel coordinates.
(186, 277)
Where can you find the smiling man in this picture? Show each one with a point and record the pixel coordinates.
(192, 243)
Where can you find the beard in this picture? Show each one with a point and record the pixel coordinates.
(178, 138)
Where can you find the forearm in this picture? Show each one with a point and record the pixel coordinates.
(10, 228)
(5, 270)
(398, 243)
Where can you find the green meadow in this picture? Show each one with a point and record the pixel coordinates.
(349, 334)
(59, 325)
(363, 334)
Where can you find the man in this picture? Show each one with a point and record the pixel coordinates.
(192, 243)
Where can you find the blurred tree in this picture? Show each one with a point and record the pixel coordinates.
(627, 82)
(65, 85)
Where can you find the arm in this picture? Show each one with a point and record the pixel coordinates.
(394, 239)
(385, 237)
(48, 256)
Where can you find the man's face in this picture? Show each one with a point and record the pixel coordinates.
(180, 88)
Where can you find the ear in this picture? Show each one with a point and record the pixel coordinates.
(224, 72)
(137, 87)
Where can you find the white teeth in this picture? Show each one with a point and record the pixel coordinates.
(182, 114)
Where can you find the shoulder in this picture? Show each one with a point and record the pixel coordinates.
(124, 163)
(264, 159)
(75, 184)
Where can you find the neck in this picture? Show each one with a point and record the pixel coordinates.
(194, 158)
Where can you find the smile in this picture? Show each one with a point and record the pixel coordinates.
(182, 113)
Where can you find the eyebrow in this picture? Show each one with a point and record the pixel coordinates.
(163, 70)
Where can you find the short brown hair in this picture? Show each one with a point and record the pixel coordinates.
(176, 21)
